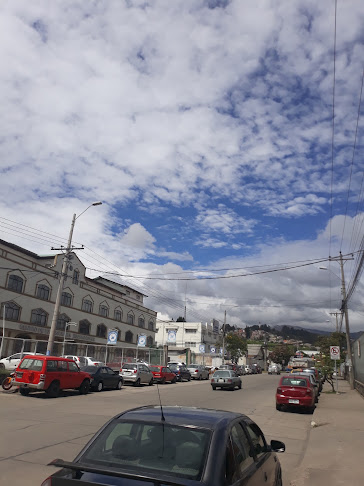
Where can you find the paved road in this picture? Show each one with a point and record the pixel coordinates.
(36, 429)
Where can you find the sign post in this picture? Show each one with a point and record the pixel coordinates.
(335, 355)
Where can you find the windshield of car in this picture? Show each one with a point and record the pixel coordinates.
(90, 369)
(31, 364)
(129, 366)
(173, 366)
(177, 451)
(294, 382)
(154, 368)
(222, 374)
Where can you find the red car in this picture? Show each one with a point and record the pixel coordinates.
(295, 391)
(50, 374)
(162, 374)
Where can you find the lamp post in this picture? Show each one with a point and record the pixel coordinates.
(65, 331)
(344, 309)
(57, 304)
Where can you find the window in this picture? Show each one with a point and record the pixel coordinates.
(43, 292)
(84, 327)
(190, 331)
(61, 322)
(138, 297)
(128, 337)
(51, 365)
(15, 283)
(101, 331)
(12, 311)
(130, 318)
(62, 366)
(76, 277)
(149, 341)
(141, 322)
(257, 438)
(72, 366)
(190, 344)
(103, 310)
(39, 317)
(241, 448)
(151, 326)
(87, 305)
(117, 315)
(66, 299)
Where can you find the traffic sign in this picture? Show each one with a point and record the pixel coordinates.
(335, 352)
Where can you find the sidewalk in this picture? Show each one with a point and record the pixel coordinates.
(335, 447)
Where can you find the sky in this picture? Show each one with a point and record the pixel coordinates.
(215, 137)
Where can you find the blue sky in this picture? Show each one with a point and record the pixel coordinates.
(205, 127)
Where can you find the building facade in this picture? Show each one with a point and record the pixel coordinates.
(190, 335)
(92, 306)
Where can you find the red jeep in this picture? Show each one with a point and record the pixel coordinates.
(51, 374)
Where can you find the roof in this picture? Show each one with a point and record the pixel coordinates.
(23, 250)
(187, 416)
(99, 279)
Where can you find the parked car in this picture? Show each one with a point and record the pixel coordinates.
(198, 372)
(312, 379)
(295, 391)
(181, 372)
(257, 370)
(274, 369)
(188, 446)
(225, 379)
(12, 362)
(51, 374)
(240, 370)
(85, 360)
(136, 373)
(248, 370)
(103, 377)
(162, 374)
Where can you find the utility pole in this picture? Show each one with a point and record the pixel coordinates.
(337, 323)
(223, 339)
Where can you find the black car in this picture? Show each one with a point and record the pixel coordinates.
(181, 372)
(103, 377)
(176, 446)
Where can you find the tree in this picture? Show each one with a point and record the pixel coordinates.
(281, 354)
(235, 346)
(181, 319)
(326, 363)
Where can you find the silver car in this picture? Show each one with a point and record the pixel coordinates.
(198, 372)
(274, 370)
(136, 373)
(225, 379)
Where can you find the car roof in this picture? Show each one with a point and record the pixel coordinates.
(47, 357)
(182, 416)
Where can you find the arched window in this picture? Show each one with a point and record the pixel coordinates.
(130, 318)
(12, 311)
(66, 299)
(39, 317)
(141, 322)
(15, 283)
(118, 315)
(87, 305)
(151, 326)
(103, 310)
(76, 277)
(43, 292)
(84, 327)
(128, 337)
(149, 341)
(101, 331)
(61, 321)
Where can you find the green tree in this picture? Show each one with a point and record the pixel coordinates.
(281, 354)
(181, 319)
(326, 363)
(235, 346)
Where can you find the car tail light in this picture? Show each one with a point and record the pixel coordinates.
(135, 371)
(42, 377)
(279, 390)
(309, 391)
(196, 371)
(47, 482)
(212, 380)
(230, 380)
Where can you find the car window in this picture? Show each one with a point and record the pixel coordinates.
(72, 366)
(155, 368)
(293, 382)
(52, 365)
(103, 371)
(110, 371)
(31, 364)
(82, 360)
(221, 374)
(241, 448)
(16, 356)
(168, 370)
(62, 366)
(129, 366)
(178, 451)
(257, 439)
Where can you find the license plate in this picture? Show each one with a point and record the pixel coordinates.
(221, 380)
(294, 401)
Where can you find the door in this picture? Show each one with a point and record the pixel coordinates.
(241, 467)
(265, 461)
(111, 377)
(74, 379)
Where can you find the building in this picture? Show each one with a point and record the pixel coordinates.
(92, 306)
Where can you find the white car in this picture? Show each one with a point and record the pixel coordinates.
(136, 373)
(84, 360)
(198, 372)
(248, 370)
(12, 362)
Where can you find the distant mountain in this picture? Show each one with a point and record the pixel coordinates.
(315, 332)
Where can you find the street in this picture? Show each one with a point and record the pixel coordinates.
(36, 429)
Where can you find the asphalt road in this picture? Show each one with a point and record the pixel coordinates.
(37, 429)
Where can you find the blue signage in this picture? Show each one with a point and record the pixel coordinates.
(142, 340)
(112, 337)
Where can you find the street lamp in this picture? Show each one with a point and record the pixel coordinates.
(344, 309)
(65, 330)
(52, 332)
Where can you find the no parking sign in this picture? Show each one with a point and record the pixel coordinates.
(335, 352)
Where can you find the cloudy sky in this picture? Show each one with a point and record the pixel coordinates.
(206, 129)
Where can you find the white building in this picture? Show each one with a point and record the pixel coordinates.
(28, 288)
(191, 335)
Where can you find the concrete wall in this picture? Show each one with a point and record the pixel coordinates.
(358, 363)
